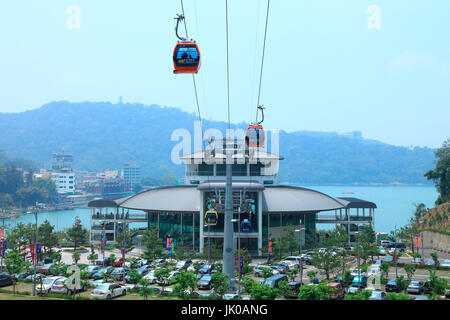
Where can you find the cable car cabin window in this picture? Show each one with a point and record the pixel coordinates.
(186, 56)
(254, 136)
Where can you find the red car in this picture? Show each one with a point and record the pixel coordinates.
(119, 262)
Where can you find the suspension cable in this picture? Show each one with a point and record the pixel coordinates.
(262, 60)
(228, 66)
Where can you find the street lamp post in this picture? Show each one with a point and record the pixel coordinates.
(239, 250)
(359, 270)
(300, 248)
(35, 211)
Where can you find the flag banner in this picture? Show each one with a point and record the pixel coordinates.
(32, 252)
(241, 266)
(270, 246)
(38, 251)
(2, 233)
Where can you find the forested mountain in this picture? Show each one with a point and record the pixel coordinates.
(104, 135)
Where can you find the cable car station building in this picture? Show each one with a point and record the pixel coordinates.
(179, 211)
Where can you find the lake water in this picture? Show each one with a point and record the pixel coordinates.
(395, 206)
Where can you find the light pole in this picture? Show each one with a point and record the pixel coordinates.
(35, 211)
(239, 250)
(395, 252)
(359, 270)
(301, 258)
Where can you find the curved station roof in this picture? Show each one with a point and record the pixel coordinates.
(186, 198)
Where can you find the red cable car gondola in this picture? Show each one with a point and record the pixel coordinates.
(186, 57)
(254, 135)
(186, 54)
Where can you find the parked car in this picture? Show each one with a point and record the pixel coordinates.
(103, 262)
(258, 270)
(119, 262)
(108, 291)
(378, 295)
(46, 285)
(337, 291)
(273, 281)
(282, 268)
(91, 270)
(421, 297)
(38, 276)
(60, 287)
(388, 259)
(183, 264)
(170, 279)
(359, 281)
(5, 280)
(429, 262)
(445, 263)
(385, 243)
(374, 270)
(142, 262)
(292, 259)
(21, 275)
(100, 273)
(391, 286)
(399, 245)
(191, 268)
(291, 265)
(160, 263)
(119, 273)
(46, 268)
(307, 259)
(295, 286)
(447, 293)
(143, 271)
(352, 290)
(98, 282)
(416, 287)
(204, 282)
(382, 251)
(354, 272)
(150, 276)
(417, 261)
(206, 268)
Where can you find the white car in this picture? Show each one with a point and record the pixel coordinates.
(374, 270)
(382, 251)
(292, 259)
(151, 276)
(108, 291)
(445, 263)
(47, 284)
(354, 273)
(60, 287)
(290, 264)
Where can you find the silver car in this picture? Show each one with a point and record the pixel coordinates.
(47, 284)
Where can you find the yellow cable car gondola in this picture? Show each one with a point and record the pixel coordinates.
(211, 218)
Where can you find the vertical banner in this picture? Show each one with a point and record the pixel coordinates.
(2, 233)
(123, 253)
(270, 246)
(38, 251)
(2, 250)
(32, 251)
(103, 241)
(236, 262)
(241, 267)
(169, 246)
(174, 242)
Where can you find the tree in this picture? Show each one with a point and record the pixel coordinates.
(364, 295)
(285, 289)
(161, 276)
(312, 274)
(186, 284)
(384, 268)
(220, 283)
(367, 242)
(14, 264)
(133, 262)
(152, 242)
(314, 292)
(47, 237)
(75, 257)
(125, 239)
(92, 257)
(440, 175)
(292, 274)
(402, 283)
(435, 258)
(144, 290)
(266, 273)
(326, 261)
(437, 285)
(78, 235)
(340, 237)
(134, 276)
(410, 270)
(112, 258)
(397, 296)
(291, 240)
(264, 292)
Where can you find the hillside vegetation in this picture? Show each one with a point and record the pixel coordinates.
(104, 135)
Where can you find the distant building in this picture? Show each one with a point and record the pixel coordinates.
(131, 173)
(62, 161)
(62, 173)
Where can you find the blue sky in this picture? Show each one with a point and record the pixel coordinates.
(325, 70)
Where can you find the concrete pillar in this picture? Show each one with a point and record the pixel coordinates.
(260, 224)
(202, 240)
